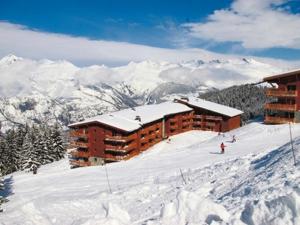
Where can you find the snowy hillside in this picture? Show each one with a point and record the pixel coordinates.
(44, 90)
(253, 183)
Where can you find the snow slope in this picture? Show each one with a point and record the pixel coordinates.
(253, 183)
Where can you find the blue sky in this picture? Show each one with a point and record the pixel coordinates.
(221, 26)
(143, 22)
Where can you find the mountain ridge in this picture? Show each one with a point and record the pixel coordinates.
(59, 90)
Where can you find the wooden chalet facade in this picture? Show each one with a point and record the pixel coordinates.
(211, 116)
(121, 135)
(285, 93)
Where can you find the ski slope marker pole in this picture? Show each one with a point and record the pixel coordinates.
(107, 178)
(182, 176)
(292, 145)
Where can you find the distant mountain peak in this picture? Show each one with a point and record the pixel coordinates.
(10, 59)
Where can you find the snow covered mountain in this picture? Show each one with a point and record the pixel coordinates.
(253, 183)
(47, 90)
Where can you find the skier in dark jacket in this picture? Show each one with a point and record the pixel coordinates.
(222, 148)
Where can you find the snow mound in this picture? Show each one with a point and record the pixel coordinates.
(283, 210)
(193, 208)
(113, 215)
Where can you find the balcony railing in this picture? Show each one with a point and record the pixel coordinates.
(206, 117)
(79, 144)
(173, 120)
(152, 135)
(120, 138)
(80, 154)
(280, 93)
(209, 124)
(186, 123)
(77, 133)
(79, 163)
(282, 107)
(116, 158)
(123, 149)
(278, 120)
(216, 118)
(197, 123)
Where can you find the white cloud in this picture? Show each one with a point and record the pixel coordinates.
(22, 41)
(256, 24)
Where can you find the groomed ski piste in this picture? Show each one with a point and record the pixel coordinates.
(254, 182)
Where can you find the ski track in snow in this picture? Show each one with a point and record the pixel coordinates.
(254, 182)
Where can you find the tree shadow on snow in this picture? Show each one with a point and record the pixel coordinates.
(7, 187)
(216, 153)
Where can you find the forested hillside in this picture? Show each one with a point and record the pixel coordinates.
(248, 98)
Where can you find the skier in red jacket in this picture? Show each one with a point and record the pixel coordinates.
(222, 148)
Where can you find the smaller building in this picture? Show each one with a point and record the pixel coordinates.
(212, 116)
(285, 95)
(123, 134)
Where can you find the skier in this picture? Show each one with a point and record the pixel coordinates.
(233, 139)
(34, 169)
(222, 148)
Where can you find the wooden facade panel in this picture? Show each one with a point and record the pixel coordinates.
(234, 122)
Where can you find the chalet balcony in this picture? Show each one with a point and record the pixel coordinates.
(80, 154)
(173, 120)
(215, 118)
(116, 158)
(206, 117)
(79, 163)
(210, 124)
(281, 107)
(186, 123)
(174, 126)
(123, 149)
(120, 138)
(274, 92)
(278, 120)
(79, 144)
(152, 135)
(197, 123)
(187, 117)
(77, 134)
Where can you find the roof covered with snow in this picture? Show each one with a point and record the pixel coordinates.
(213, 107)
(126, 119)
(286, 74)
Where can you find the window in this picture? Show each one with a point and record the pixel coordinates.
(291, 87)
(114, 133)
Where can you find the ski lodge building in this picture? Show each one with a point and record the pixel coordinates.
(123, 134)
(285, 91)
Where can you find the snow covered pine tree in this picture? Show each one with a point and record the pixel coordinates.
(57, 143)
(31, 154)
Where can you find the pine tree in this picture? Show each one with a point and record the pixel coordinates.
(56, 141)
(5, 158)
(19, 139)
(46, 155)
(31, 154)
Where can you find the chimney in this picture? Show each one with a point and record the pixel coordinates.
(185, 98)
(138, 118)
